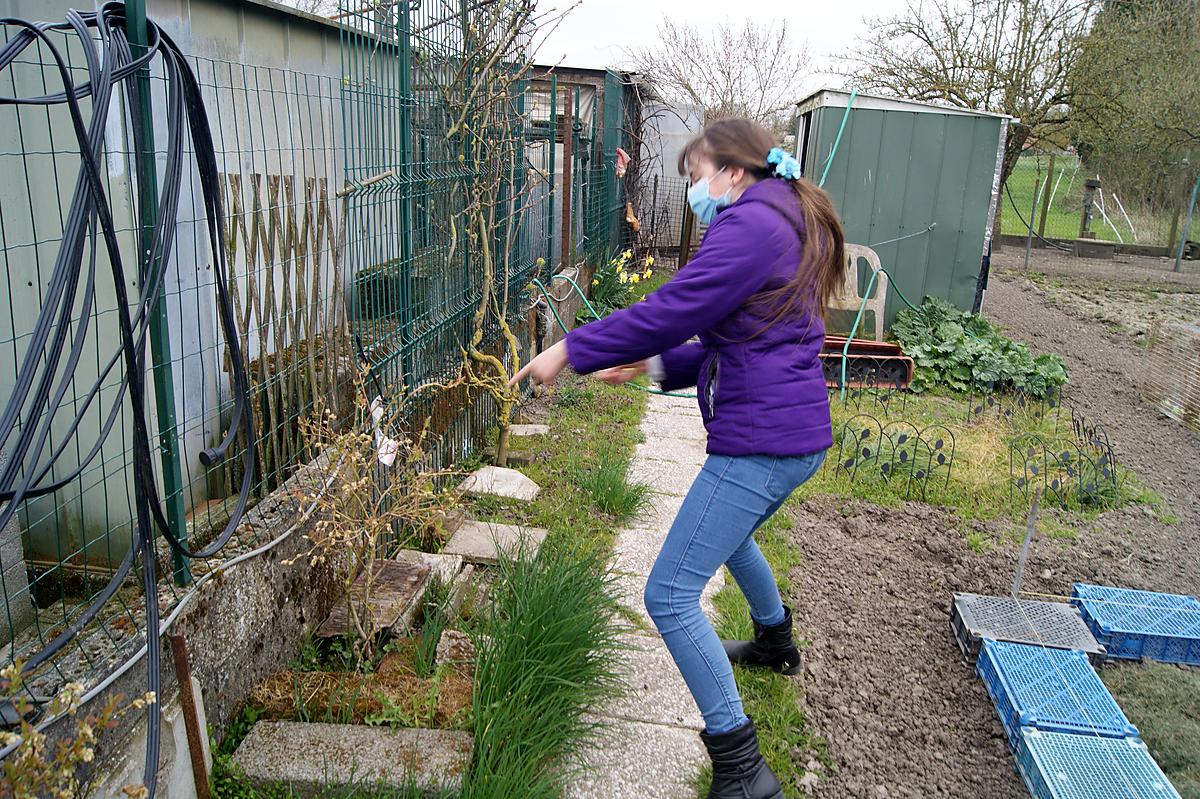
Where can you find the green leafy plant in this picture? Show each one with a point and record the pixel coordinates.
(962, 350)
(546, 656)
(614, 286)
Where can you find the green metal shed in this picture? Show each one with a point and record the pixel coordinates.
(916, 182)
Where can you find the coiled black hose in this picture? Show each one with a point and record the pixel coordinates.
(53, 352)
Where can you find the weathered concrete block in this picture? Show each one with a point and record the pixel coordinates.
(460, 589)
(455, 646)
(314, 758)
(526, 430)
(500, 482)
(445, 566)
(481, 542)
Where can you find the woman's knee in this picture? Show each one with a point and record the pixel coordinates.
(665, 599)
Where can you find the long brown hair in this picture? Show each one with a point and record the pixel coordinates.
(821, 272)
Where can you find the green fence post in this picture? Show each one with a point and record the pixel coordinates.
(160, 342)
(553, 167)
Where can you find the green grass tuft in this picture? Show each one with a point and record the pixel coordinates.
(547, 655)
(607, 485)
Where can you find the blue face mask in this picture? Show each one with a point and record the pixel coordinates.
(704, 206)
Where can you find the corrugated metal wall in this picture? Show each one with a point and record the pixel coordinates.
(895, 173)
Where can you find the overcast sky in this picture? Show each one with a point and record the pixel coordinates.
(597, 32)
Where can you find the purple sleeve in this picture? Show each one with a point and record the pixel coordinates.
(681, 366)
(730, 266)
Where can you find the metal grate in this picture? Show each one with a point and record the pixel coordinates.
(1054, 624)
(1057, 765)
(1142, 624)
(1052, 689)
(1172, 374)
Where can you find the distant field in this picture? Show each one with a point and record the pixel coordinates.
(1066, 206)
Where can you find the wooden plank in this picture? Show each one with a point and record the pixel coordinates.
(398, 586)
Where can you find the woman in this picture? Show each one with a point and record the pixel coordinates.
(754, 294)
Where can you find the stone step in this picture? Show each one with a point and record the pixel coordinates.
(481, 542)
(315, 759)
(500, 482)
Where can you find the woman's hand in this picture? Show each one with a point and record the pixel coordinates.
(619, 375)
(545, 367)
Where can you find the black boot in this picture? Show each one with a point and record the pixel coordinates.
(771, 648)
(739, 771)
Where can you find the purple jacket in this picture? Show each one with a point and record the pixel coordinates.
(762, 396)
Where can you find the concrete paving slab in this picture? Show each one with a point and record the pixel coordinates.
(660, 513)
(663, 476)
(630, 587)
(500, 482)
(480, 542)
(526, 430)
(654, 689)
(635, 550)
(312, 758)
(635, 760)
(664, 425)
(689, 452)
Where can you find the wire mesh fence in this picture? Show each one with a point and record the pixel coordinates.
(353, 244)
(1057, 194)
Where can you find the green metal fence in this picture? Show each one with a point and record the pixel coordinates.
(345, 200)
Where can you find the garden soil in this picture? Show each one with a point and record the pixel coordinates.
(885, 687)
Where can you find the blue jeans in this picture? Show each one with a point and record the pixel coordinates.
(730, 499)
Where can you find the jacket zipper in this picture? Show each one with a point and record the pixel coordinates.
(710, 390)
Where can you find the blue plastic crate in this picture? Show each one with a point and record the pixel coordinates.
(1141, 624)
(1058, 765)
(1051, 689)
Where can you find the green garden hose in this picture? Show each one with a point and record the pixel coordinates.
(550, 301)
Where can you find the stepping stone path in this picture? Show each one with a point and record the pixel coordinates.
(500, 482)
(481, 542)
(650, 748)
(313, 758)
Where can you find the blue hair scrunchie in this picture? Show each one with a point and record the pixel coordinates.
(786, 166)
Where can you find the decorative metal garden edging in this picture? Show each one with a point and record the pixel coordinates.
(896, 450)
(1009, 405)
(1071, 473)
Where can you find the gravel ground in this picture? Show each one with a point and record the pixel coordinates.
(885, 686)
(1128, 295)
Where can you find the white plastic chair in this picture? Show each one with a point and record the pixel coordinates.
(850, 299)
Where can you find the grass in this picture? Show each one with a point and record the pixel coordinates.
(978, 486)
(607, 484)
(1065, 212)
(597, 429)
(772, 700)
(548, 656)
(1161, 701)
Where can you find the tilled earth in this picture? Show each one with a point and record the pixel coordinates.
(885, 686)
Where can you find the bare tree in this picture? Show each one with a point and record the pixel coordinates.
(754, 71)
(322, 8)
(1007, 56)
